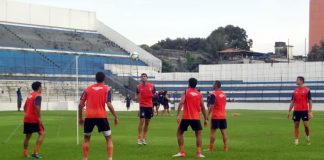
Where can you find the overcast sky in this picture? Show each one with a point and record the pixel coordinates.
(148, 21)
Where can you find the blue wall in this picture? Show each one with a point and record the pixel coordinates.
(48, 63)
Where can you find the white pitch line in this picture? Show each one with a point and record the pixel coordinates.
(12, 134)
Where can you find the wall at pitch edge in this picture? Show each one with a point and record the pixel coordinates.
(24, 13)
(264, 72)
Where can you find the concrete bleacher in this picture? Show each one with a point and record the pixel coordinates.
(53, 91)
(56, 39)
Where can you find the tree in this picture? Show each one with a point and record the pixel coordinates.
(227, 37)
(317, 52)
(146, 47)
(166, 66)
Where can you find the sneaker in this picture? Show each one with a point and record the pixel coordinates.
(25, 154)
(296, 142)
(308, 141)
(139, 142)
(200, 155)
(144, 141)
(179, 155)
(225, 148)
(36, 155)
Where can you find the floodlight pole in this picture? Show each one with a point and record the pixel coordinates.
(76, 96)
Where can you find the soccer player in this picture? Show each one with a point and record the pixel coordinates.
(94, 98)
(217, 104)
(301, 102)
(156, 104)
(166, 103)
(32, 119)
(193, 104)
(145, 92)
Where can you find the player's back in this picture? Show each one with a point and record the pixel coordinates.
(31, 115)
(96, 96)
(219, 111)
(192, 102)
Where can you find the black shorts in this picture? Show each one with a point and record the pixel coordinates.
(33, 127)
(218, 124)
(166, 106)
(194, 124)
(155, 104)
(101, 123)
(297, 115)
(145, 112)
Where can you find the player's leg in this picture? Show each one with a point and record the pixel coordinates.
(225, 138)
(39, 141)
(196, 126)
(140, 130)
(180, 140)
(85, 146)
(306, 126)
(212, 139)
(199, 144)
(140, 127)
(296, 131)
(296, 118)
(157, 109)
(146, 126)
(26, 142)
(183, 126)
(110, 147)
(148, 116)
(104, 127)
(89, 123)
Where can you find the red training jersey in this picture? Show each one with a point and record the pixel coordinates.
(145, 94)
(301, 97)
(30, 115)
(191, 110)
(218, 110)
(95, 97)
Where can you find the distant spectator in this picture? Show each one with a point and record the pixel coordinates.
(19, 99)
(156, 103)
(128, 101)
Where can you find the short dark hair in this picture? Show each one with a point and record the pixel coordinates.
(301, 78)
(218, 84)
(36, 85)
(100, 77)
(193, 82)
(143, 74)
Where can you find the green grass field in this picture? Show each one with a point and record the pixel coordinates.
(253, 135)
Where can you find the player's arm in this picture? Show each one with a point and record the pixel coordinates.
(291, 106)
(38, 103)
(211, 102)
(310, 102)
(182, 100)
(81, 106)
(137, 97)
(111, 107)
(203, 109)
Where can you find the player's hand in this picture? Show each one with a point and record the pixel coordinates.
(206, 123)
(81, 122)
(288, 116)
(116, 120)
(310, 115)
(178, 119)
